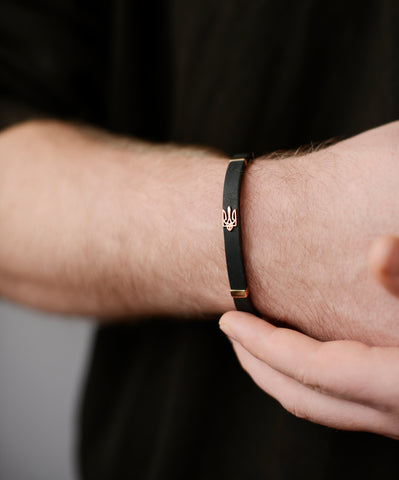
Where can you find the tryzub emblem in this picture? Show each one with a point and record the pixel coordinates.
(229, 218)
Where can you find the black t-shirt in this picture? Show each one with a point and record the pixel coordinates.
(167, 399)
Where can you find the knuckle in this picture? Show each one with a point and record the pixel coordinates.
(307, 372)
(303, 376)
(306, 377)
(298, 410)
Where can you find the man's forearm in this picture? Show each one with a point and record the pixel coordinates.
(106, 226)
(96, 225)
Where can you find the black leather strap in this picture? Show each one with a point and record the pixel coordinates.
(232, 233)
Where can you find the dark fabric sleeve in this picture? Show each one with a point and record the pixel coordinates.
(53, 56)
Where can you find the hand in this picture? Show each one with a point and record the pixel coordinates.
(308, 224)
(341, 384)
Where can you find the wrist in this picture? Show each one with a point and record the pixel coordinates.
(271, 192)
(213, 295)
(176, 264)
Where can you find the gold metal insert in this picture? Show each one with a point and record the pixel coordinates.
(239, 293)
(240, 160)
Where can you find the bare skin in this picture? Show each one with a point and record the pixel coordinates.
(342, 384)
(111, 227)
(308, 249)
(99, 225)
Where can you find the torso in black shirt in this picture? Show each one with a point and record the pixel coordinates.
(166, 399)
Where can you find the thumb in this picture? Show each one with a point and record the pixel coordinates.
(384, 262)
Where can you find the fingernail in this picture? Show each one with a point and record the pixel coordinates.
(227, 330)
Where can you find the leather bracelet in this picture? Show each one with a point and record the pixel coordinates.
(232, 233)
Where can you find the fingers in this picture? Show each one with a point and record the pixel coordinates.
(384, 262)
(310, 404)
(344, 369)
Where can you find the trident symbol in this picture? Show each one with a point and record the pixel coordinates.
(229, 218)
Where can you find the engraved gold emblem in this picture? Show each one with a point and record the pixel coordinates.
(229, 218)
